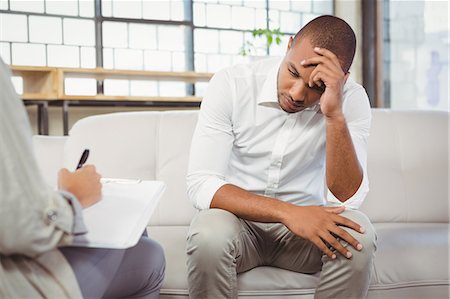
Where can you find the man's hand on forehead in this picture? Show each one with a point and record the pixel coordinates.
(326, 66)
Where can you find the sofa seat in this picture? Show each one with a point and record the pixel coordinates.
(410, 256)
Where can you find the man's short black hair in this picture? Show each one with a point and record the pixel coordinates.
(331, 33)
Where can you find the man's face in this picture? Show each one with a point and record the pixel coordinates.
(294, 93)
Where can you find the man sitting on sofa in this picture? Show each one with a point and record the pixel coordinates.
(268, 138)
(36, 222)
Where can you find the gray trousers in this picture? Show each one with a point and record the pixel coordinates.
(220, 245)
(136, 272)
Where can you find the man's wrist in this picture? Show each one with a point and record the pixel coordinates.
(335, 118)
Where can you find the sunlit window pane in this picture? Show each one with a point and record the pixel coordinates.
(157, 60)
(274, 19)
(127, 9)
(200, 63)
(107, 8)
(206, 41)
(80, 86)
(280, 5)
(29, 6)
(324, 7)
(243, 17)
(108, 58)
(157, 10)
(114, 87)
(28, 54)
(4, 4)
(87, 57)
(66, 7)
(301, 6)
(290, 22)
(171, 38)
(199, 14)
(18, 22)
(172, 89)
(63, 56)
(230, 41)
(177, 10)
(115, 34)
(253, 3)
(307, 17)
(143, 88)
(79, 32)
(128, 59)
(178, 61)
(46, 30)
(143, 36)
(87, 8)
(218, 16)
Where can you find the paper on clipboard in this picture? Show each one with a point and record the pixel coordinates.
(120, 218)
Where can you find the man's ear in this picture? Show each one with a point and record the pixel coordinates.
(291, 40)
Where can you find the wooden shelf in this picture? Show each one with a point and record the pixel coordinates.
(45, 85)
(102, 74)
(129, 98)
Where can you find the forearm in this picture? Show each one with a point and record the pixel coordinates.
(248, 205)
(343, 172)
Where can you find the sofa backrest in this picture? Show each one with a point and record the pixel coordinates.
(408, 163)
(146, 145)
(408, 160)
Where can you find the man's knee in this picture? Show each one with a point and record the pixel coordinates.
(212, 234)
(361, 258)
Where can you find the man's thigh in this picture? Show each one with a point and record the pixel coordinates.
(213, 231)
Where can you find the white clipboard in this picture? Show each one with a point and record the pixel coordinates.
(120, 218)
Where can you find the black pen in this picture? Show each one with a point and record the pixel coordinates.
(83, 158)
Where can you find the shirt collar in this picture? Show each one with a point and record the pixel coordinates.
(269, 93)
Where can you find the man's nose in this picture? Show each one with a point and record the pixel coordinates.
(297, 91)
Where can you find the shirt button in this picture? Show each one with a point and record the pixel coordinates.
(52, 215)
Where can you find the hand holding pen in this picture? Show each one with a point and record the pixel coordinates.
(84, 182)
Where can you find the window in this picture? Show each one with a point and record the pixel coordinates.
(169, 35)
(416, 58)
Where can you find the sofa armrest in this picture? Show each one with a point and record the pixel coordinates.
(49, 151)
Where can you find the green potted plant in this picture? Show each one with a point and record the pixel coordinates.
(271, 35)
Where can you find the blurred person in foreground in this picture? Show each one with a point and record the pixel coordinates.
(38, 224)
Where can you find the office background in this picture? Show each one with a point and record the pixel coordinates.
(407, 69)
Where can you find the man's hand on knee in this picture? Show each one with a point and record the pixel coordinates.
(322, 226)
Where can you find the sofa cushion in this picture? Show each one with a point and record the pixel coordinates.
(408, 255)
(412, 254)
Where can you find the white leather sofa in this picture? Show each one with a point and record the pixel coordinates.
(408, 200)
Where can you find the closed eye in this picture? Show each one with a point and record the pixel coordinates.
(293, 74)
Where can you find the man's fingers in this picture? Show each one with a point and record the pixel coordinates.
(330, 55)
(321, 245)
(340, 220)
(344, 235)
(336, 245)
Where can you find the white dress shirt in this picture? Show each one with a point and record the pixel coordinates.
(244, 138)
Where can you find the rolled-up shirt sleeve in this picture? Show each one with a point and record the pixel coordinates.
(357, 113)
(211, 143)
